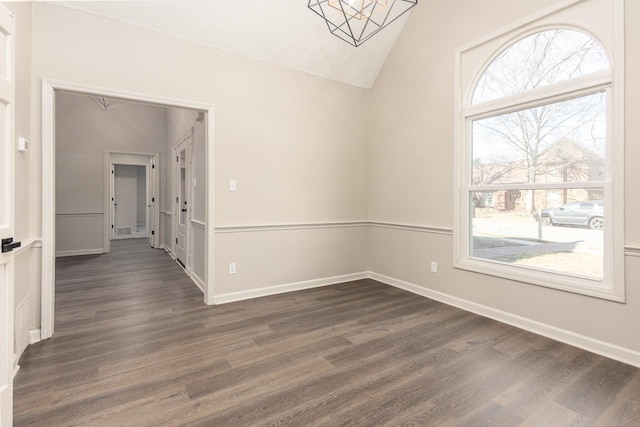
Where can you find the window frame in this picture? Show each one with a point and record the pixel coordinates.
(611, 287)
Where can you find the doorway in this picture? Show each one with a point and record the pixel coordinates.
(129, 202)
(182, 152)
(206, 220)
(133, 196)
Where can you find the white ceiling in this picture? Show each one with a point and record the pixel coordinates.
(284, 32)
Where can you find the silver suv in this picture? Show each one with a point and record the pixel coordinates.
(589, 213)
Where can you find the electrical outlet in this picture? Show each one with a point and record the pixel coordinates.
(232, 268)
(233, 185)
(434, 267)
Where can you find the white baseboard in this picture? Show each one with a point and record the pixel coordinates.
(34, 336)
(16, 367)
(167, 249)
(602, 348)
(197, 280)
(289, 287)
(96, 251)
(21, 326)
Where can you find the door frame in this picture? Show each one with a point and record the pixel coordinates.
(7, 227)
(49, 88)
(134, 159)
(188, 140)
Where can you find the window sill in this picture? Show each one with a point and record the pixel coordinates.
(577, 285)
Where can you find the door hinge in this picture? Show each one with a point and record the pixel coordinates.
(153, 166)
(112, 172)
(153, 199)
(176, 200)
(177, 159)
(176, 240)
(112, 199)
(112, 226)
(153, 232)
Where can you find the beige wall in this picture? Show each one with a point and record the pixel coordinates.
(411, 169)
(84, 132)
(282, 134)
(23, 117)
(27, 261)
(299, 148)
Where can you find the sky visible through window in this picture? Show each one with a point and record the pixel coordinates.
(541, 59)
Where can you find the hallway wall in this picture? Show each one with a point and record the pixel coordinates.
(84, 133)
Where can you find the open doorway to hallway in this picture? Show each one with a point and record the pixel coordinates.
(133, 197)
(115, 179)
(129, 202)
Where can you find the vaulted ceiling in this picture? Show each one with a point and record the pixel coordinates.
(283, 32)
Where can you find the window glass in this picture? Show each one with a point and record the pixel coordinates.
(539, 170)
(563, 238)
(554, 143)
(541, 59)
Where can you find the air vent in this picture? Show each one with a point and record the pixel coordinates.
(123, 231)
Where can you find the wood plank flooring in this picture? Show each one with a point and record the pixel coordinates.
(135, 346)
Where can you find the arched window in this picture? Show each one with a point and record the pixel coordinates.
(540, 59)
(535, 160)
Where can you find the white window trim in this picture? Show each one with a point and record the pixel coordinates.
(612, 286)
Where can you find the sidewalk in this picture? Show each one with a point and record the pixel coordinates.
(527, 248)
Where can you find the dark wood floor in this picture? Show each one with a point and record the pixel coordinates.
(134, 345)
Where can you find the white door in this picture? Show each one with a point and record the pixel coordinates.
(7, 201)
(151, 202)
(182, 201)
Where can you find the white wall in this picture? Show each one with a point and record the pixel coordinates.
(84, 133)
(411, 156)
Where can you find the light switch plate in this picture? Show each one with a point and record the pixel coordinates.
(23, 145)
(233, 185)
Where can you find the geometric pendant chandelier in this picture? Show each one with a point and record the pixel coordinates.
(356, 21)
